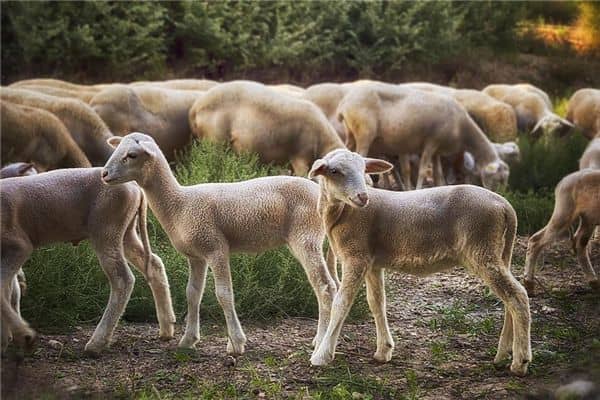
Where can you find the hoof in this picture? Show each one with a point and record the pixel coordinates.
(383, 357)
(237, 349)
(188, 343)
(519, 369)
(168, 333)
(93, 351)
(27, 341)
(320, 360)
(530, 287)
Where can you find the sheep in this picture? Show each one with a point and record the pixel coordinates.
(55, 83)
(591, 155)
(577, 197)
(84, 95)
(163, 113)
(418, 232)
(71, 205)
(390, 120)
(35, 135)
(254, 118)
(495, 118)
(532, 107)
(583, 110)
(85, 126)
(207, 222)
(179, 84)
(327, 97)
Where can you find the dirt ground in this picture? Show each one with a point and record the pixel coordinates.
(445, 326)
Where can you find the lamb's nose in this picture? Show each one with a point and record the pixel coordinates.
(363, 197)
(104, 173)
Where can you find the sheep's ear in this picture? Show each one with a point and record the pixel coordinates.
(25, 168)
(147, 150)
(319, 167)
(468, 161)
(492, 167)
(114, 140)
(377, 166)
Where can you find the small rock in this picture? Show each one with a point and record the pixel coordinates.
(55, 344)
(548, 309)
(357, 396)
(229, 362)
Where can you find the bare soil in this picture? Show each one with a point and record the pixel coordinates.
(445, 326)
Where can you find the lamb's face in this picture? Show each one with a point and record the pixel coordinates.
(494, 176)
(343, 175)
(132, 153)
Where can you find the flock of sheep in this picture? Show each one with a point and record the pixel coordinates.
(338, 135)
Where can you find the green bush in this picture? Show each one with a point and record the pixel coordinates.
(67, 286)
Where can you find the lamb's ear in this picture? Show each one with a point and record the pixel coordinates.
(26, 168)
(114, 140)
(468, 161)
(146, 149)
(377, 166)
(319, 167)
(492, 167)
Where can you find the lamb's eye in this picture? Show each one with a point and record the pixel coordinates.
(131, 155)
(333, 171)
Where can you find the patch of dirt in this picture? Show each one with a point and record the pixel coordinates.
(445, 326)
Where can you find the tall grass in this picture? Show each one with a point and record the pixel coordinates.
(67, 286)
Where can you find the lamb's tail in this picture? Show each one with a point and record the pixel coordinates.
(143, 227)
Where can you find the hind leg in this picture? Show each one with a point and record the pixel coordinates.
(582, 238)
(535, 245)
(194, 292)
(157, 280)
(376, 299)
(506, 338)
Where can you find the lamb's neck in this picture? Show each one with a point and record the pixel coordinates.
(330, 211)
(163, 192)
(478, 145)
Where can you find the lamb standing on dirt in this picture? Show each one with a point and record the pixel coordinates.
(163, 113)
(533, 109)
(383, 119)
(584, 111)
(418, 232)
(254, 118)
(577, 198)
(85, 126)
(207, 222)
(35, 135)
(78, 206)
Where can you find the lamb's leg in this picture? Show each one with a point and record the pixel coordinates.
(425, 161)
(582, 238)
(332, 267)
(219, 264)
(15, 295)
(506, 338)
(157, 280)
(438, 173)
(121, 282)
(516, 302)
(376, 299)
(404, 160)
(352, 277)
(194, 292)
(311, 258)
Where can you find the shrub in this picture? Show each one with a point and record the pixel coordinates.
(67, 286)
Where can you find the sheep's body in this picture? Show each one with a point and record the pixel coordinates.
(532, 107)
(84, 95)
(179, 84)
(383, 119)
(417, 232)
(577, 197)
(254, 118)
(35, 135)
(55, 83)
(83, 208)
(163, 113)
(584, 111)
(591, 155)
(85, 126)
(327, 97)
(209, 221)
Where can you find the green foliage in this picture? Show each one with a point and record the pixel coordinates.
(67, 286)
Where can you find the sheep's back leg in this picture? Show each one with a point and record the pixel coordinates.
(194, 292)
(375, 280)
(582, 238)
(404, 160)
(426, 159)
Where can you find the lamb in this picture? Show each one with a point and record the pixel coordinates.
(383, 119)
(591, 155)
(207, 222)
(577, 197)
(179, 84)
(254, 118)
(163, 113)
(78, 206)
(532, 107)
(35, 135)
(85, 126)
(583, 110)
(84, 95)
(418, 232)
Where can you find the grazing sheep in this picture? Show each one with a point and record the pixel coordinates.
(577, 197)
(383, 119)
(35, 135)
(179, 84)
(418, 232)
(327, 97)
(84, 95)
(207, 222)
(72, 205)
(254, 118)
(495, 118)
(85, 126)
(591, 155)
(533, 109)
(55, 83)
(583, 110)
(163, 113)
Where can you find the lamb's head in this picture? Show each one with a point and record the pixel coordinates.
(509, 152)
(495, 175)
(17, 169)
(342, 175)
(552, 124)
(132, 159)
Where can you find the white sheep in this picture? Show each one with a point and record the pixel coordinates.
(71, 205)
(207, 222)
(418, 232)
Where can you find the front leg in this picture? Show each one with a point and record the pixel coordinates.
(352, 277)
(194, 292)
(377, 305)
(426, 159)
